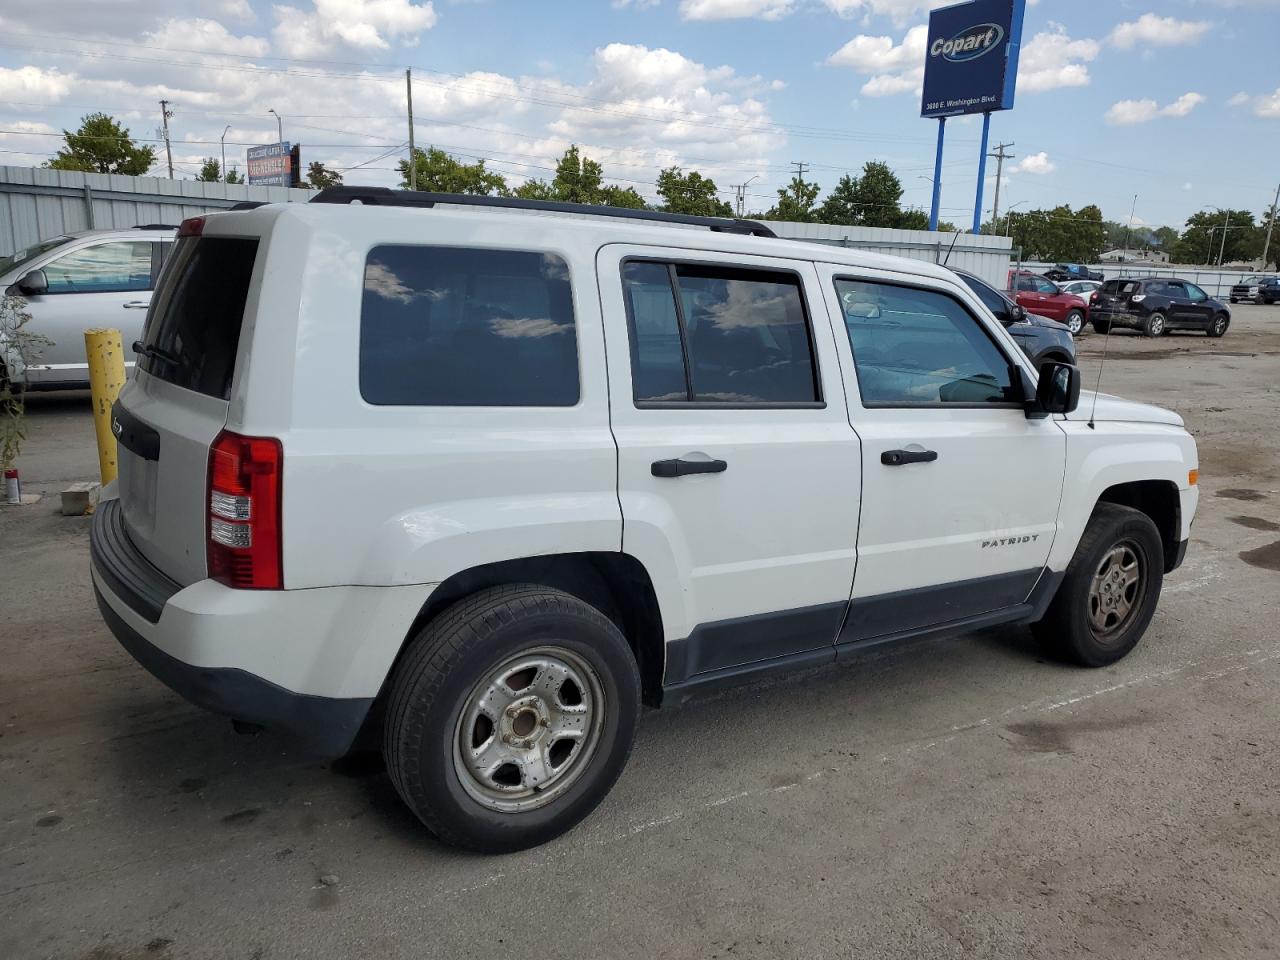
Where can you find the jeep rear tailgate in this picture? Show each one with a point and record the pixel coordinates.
(169, 414)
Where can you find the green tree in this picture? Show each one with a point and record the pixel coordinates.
(441, 173)
(871, 199)
(579, 179)
(321, 177)
(102, 145)
(795, 202)
(233, 175)
(690, 193)
(210, 171)
(1166, 238)
(841, 205)
(1060, 234)
(1202, 239)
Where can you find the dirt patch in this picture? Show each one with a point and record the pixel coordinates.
(1237, 493)
(1255, 523)
(1268, 557)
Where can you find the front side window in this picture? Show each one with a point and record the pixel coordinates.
(118, 267)
(455, 326)
(718, 335)
(915, 347)
(1195, 293)
(990, 298)
(1044, 286)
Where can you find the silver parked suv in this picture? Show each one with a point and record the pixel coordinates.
(72, 283)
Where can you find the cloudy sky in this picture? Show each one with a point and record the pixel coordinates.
(1176, 101)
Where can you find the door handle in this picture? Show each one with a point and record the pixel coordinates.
(897, 458)
(682, 468)
(137, 304)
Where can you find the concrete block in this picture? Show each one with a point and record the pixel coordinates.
(80, 498)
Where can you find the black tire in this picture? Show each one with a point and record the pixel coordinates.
(1218, 326)
(1074, 321)
(436, 678)
(1232, 300)
(1155, 324)
(1067, 627)
(1101, 326)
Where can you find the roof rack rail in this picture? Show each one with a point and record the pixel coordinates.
(155, 226)
(248, 204)
(386, 197)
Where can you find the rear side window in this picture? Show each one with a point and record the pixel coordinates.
(453, 326)
(1116, 288)
(708, 334)
(193, 329)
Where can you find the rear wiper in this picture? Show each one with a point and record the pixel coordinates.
(156, 353)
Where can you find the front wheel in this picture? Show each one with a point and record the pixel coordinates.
(1101, 326)
(1109, 593)
(1154, 325)
(511, 716)
(1218, 325)
(1074, 322)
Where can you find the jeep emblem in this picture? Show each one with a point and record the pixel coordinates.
(117, 427)
(968, 44)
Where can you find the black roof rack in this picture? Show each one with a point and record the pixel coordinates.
(155, 226)
(386, 197)
(248, 204)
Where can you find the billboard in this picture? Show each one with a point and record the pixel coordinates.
(270, 165)
(971, 59)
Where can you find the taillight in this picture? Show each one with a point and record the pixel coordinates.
(191, 227)
(243, 525)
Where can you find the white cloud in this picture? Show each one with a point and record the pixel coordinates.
(900, 12)
(892, 67)
(1268, 105)
(1129, 112)
(735, 9)
(33, 85)
(1051, 59)
(236, 9)
(1156, 31)
(364, 24)
(1035, 163)
(1238, 99)
(635, 4)
(205, 35)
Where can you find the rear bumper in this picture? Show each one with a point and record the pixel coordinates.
(322, 725)
(306, 662)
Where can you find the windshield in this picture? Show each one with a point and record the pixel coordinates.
(30, 253)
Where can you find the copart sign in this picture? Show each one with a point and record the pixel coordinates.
(971, 60)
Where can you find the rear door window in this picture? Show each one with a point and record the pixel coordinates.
(455, 326)
(117, 267)
(193, 330)
(711, 334)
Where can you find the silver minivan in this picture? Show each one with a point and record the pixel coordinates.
(72, 283)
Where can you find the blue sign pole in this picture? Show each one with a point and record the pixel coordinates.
(937, 176)
(982, 173)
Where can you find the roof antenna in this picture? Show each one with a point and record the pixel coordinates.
(1106, 339)
(947, 258)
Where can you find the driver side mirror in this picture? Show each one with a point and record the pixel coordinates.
(1058, 390)
(33, 284)
(1017, 313)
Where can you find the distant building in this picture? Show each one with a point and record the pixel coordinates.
(1134, 256)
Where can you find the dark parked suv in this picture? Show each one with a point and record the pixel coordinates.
(1155, 305)
(1041, 339)
(1257, 289)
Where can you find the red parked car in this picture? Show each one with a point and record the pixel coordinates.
(1040, 295)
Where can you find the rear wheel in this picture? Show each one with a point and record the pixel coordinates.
(510, 717)
(1154, 325)
(1218, 325)
(1109, 593)
(1074, 322)
(1101, 326)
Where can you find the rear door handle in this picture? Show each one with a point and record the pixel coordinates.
(137, 304)
(897, 458)
(682, 468)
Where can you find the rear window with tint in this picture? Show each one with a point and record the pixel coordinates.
(1116, 288)
(454, 326)
(193, 329)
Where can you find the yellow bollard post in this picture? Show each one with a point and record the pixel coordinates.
(106, 376)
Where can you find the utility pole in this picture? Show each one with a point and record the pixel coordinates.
(1266, 245)
(223, 140)
(801, 167)
(1000, 157)
(413, 165)
(1223, 248)
(1127, 230)
(165, 114)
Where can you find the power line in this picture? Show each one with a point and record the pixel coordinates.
(1000, 157)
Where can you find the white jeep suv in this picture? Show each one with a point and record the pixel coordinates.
(475, 482)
